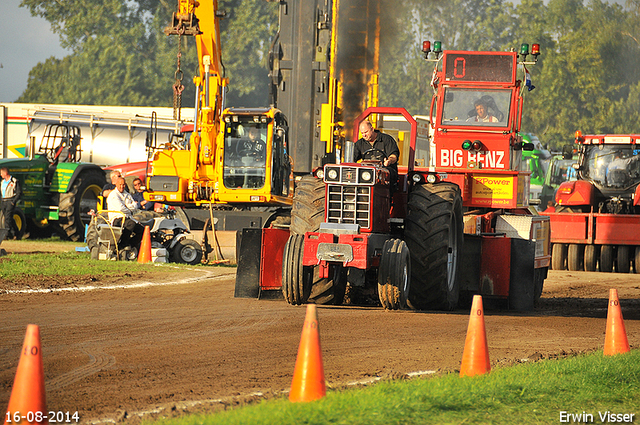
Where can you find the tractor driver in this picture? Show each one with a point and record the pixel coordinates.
(482, 113)
(375, 139)
(121, 200)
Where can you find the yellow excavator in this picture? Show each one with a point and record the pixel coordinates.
(235, 158)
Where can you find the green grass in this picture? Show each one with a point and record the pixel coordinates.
(70, 262)
(63, 264)
(525, 394)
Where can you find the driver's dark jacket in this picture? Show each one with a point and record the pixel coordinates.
(383, 142)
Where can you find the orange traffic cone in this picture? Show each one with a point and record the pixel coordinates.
(144, 255)
(308, 377)
(475, 358)
(615, 340)
(28, 395)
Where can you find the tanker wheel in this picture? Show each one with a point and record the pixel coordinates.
(433, 234)
(575, 257)
(606, 258)
(590, 258)
(296, 284)
(623, 261)
(307, 212)
(558, 256)
(74, 205)
(636, 262)
(394, 274)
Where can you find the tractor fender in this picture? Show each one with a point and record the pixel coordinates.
(177, 239)
(575, 193)
(169, 224)
(66, 174)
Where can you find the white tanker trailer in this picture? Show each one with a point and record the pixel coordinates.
(111, 135)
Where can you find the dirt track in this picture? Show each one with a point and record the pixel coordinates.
(126, 353)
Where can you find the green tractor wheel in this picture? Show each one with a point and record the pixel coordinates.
(74, 206)
(19, 223)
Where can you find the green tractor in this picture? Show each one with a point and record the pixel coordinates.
(58, 191)
(536, 161)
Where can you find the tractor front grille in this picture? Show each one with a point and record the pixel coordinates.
(349, 205)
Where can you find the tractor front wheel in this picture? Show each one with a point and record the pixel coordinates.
(187, 251)
(394, 275)
(295, 277)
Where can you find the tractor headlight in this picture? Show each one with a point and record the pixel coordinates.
(332, 175)
(366, 176)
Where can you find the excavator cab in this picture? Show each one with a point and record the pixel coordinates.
(245, 155)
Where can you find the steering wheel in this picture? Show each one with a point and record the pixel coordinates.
(372, 151)
(245, 148)
(250, 148)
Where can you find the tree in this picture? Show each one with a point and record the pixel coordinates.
(120, 55)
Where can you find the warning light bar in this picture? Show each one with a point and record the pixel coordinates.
(426, 49)
(524, 52)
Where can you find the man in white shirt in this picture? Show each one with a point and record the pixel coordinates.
(121, 200)
(482, 113)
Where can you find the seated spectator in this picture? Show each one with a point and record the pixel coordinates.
(138, 196)
(120, 200)
(107, 188)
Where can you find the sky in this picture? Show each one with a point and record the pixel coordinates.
(24, 42)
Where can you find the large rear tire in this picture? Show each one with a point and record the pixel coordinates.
(394, 275)
(433, 233)
(74, 206)
(307, 212)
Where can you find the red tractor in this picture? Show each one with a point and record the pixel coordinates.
(456, 225)
(597, 220)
